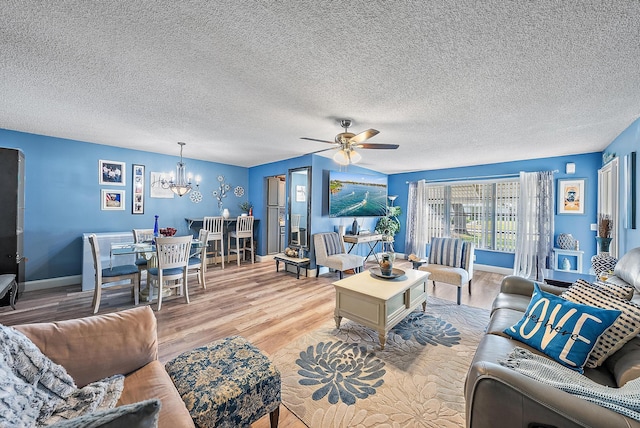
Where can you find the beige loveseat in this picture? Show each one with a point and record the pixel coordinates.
(100, 346)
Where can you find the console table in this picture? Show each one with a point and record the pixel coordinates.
(371, 239)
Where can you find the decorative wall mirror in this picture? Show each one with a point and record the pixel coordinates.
(299, 217)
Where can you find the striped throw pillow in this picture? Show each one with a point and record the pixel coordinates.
(625, 328)
(446, 252)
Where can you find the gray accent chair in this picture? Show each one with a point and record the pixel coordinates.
(330, 252)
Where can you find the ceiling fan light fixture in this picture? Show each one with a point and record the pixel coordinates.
(345, 157)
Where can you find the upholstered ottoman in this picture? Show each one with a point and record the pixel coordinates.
(228, 383)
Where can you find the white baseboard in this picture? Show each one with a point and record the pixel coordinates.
(494, 269)
(63, 281)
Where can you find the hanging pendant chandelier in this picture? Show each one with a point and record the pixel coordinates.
(181, 185)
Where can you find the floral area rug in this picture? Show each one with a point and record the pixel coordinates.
(340, 377)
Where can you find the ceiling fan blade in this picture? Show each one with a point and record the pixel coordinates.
(377, 146)
(322, 150)
(363, 136)
(319, 141)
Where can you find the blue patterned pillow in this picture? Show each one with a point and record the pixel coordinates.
(563, 330)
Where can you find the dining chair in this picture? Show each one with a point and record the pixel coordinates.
(198, 262)
(243, 232)
(295, 228)
(173, 259)
(215, 226)
(112, 275)
(142, 235)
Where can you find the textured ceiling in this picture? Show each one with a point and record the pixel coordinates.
(455, 83)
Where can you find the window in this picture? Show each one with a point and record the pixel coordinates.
(484, 213)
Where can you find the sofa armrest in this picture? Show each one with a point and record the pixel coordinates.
(517, 285)
(491, 386)
(96, 347)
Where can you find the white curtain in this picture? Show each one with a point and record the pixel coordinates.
(534, 242)
(417, 220)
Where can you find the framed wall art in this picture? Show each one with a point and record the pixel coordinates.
(571, 199)
(112, 200)
(301, 193)
(112, 172)
(137, 206)
(157, 189)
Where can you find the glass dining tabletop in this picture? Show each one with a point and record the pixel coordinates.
(146, 249)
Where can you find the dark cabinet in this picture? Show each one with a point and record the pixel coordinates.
(12, 215)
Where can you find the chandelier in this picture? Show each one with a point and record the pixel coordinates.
(181, 184)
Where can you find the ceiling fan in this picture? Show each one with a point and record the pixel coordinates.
(348, 141)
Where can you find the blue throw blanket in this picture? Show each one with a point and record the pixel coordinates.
(624, 400)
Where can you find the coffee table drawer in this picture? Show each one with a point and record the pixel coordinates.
(417, 293)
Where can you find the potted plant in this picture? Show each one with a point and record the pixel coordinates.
(389, 225)
(246, 207)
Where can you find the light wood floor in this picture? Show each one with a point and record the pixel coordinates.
(267, 308)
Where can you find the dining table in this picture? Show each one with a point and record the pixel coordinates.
(148, 251)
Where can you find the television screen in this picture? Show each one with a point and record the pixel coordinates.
(357, 195)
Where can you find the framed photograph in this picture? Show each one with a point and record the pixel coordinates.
(571, 196)
(137, 206)
(112, 200)
(112, 172)
(157, 189)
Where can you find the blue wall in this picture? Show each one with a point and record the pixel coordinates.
(577, 225)
(62, 197)
(625, 143)
(320, 220)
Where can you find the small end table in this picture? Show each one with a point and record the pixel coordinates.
(294, 261)
(417, 263)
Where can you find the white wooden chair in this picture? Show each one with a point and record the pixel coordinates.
(142, 235)
(112, 274)
(295, 229)
(173, 259)
(243, 232)
(198, 263)
(215, 227)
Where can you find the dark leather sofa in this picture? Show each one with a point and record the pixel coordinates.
(497, 396)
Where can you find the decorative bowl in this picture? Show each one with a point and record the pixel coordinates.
(395, 273)
(566, 241)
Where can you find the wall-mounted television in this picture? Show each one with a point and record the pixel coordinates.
(357, 195)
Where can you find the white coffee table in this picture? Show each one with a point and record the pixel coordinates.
(380, 303)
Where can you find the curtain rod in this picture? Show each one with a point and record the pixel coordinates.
(478, 177)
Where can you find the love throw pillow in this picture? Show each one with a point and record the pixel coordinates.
(563, 330)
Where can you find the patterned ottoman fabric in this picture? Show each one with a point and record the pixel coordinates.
(228, 383)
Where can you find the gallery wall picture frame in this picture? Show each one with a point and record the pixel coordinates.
(157, 189)
(111, 173)
(571, 196)
(137, 204)
(112, 199)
